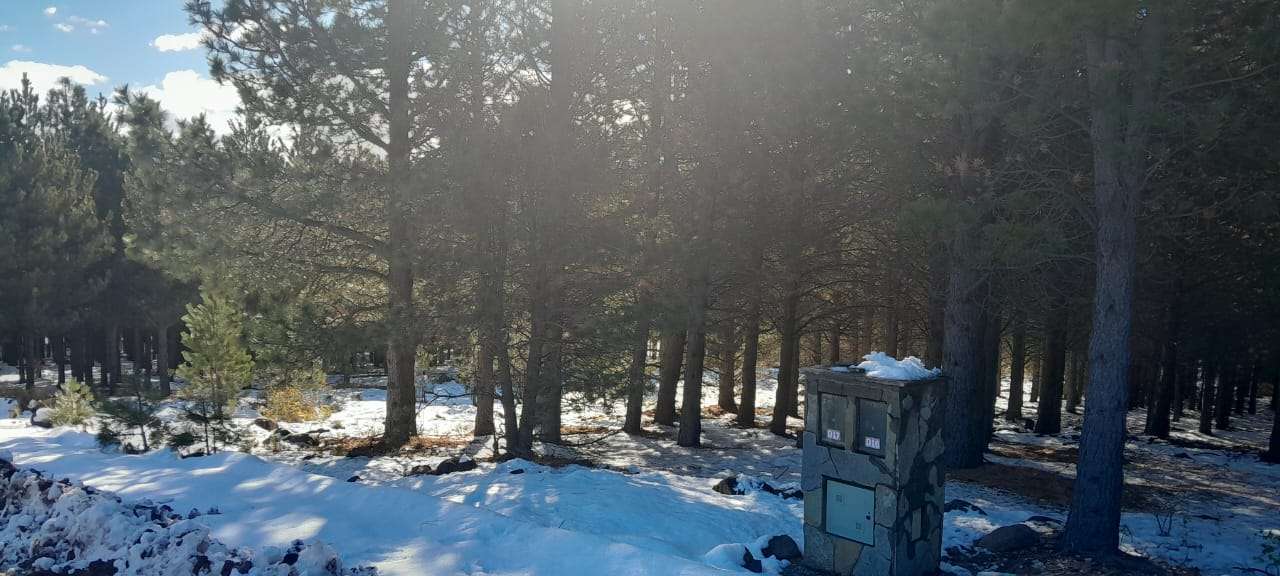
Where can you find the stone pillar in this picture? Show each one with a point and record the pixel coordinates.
(875, 445)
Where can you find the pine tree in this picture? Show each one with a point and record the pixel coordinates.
(73, 405)
(217, 365)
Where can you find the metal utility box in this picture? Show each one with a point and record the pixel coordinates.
(873, 476)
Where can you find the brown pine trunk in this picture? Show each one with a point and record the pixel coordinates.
(1158, 415)
(1017, 368)
(1049, 409)
(1208, 384)
(637, 372)
(673, 345)
(728, 365)
(833, 344)
(1118, 134)
(787, 358)
(400, 422)
(60, 357)
(691, 403)
(162, 360)
(1228, 373)
(751, 348)
(962, 348)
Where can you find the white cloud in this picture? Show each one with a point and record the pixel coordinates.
(177, 42)
(50, 11)
(21, 48)
(64, 27)
(185, 94)
(43, 76)
(88, 23)
(5, 27)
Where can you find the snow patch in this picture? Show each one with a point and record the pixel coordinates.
(881, 365)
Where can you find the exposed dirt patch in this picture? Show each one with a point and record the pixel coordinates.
(1050, 488)
(372, 446)
(1045, 558)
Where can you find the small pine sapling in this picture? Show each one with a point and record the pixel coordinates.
(217, 365)
(73, 405)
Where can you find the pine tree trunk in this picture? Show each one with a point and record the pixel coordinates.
(162, 360)
(691, 403)
(1049, 410)
(1017, 368)
(833, 344)
(673, 345)
(1208, 387)
(637, 371)
(1227, 375)
(60, 357)
(402, 345)
(553, 387)
(1254, 375)
(787, 358)
(991, 374)
(751, 348)
(1038, 379)
(728, 365)
(962, 348)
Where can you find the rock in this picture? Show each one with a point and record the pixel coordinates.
(213, 511)
(793, 494)
(420, 470)
(751, 563)
(354, 479)
(728, 486)
(302, 440)
(265, 424)
(281, 433)
(454, 464)
(1009, 538)
(782, 547)
(196, 454)
(518, 471)
(962, 506)
(42, 417)
(1182, 455)
(290, 558)
(194, 513)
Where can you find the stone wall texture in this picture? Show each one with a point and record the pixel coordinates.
(907, 481)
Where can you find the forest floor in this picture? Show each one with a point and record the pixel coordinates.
(610, 503)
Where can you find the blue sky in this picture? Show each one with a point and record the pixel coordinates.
(147, 44)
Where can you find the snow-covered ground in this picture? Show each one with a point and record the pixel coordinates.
(646, 507)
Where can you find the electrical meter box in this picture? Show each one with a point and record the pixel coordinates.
(872, 476)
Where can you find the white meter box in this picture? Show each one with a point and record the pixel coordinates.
(850, 511)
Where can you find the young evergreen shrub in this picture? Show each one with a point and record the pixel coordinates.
(217, 365)
(298, 397)
(107, 436)
(73, 405)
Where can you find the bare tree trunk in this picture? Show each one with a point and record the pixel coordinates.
(728, 364)
(1017, 368)
(553, 389)
(673, 344)
(833, 344)
(637, 371)
(1228, 373)
(1158, 415)
(60, 357)
(691, 403)
(751, 348)
(162, 360)
(1118, 133)
(1049, 410)
(962, 347)
(790, 344)
(401, 345)
(1209, 379)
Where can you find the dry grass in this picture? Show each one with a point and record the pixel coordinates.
(1050, 488)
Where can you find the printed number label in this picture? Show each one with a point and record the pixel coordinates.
(833, 435)
(871, 442)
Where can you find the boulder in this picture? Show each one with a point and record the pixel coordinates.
(420, 470)
(42, 417)
(962, 506)
(792, 494)
(354, 479)
(265, 424)
(728, 486)
(518, 471)
(454, 464)
(302, 440)
(1009, 538)
(751, 563)
(782, 547)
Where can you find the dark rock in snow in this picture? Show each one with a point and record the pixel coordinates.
(420, 470)
(782, 547)
(196, 454)
(302, 440)
(751, 563)
(1009, 538)
(100, 568)
(194, 513)
(963, 506)
(213, 511)
(265, 424)
(281, 433)
(1182, 455)
(290, 558)
(454, 464)
(354, 479)
(518, 471)
(793, 494)
(202, 565)
(728, 487)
